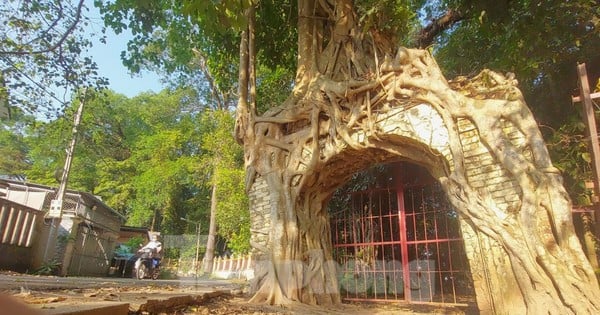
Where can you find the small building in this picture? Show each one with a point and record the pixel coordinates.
(80, 240)
(128, 232)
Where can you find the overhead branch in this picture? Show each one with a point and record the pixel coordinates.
(214, 90)
(70, 29)
(437, 26)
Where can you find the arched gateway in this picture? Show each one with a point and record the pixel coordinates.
(397, 238)
(475, 137)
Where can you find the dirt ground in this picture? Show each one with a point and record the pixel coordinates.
(240, 305)
(152, 300)
(205, 299)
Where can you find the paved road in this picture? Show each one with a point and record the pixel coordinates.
(65, 295)
(31, 282)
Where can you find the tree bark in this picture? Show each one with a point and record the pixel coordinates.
(209, 256)
(437, 26)
(328, 129)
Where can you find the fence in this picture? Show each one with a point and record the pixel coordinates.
(20, 229)
(17, 223)
(239, 267)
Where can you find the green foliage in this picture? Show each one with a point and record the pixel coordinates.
(43, 54)
(13, 145)
(570, 153)
(48, 268)
(168, 32)
(153, 158)
(233, 216)
(134, 243)
(395, 19)
(540, 42)
(273, 87)
(197, 42)
(225, 157)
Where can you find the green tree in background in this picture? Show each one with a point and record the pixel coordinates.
(201, 51)
(151, 157)
(13, 145)
(224, 160)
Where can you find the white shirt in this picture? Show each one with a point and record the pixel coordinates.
(155, 245)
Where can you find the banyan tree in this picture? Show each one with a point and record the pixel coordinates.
(359, 98)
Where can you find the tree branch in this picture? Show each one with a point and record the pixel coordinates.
(60, 42)
(437, 26)
(214, 90)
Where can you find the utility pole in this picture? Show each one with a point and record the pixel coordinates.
(589, 116)
(56, 205)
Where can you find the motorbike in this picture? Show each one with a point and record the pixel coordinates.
(147, 265)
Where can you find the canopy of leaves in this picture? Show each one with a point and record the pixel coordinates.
(42, 54)
(151, 157)
(197, 42)
(13, 147)
(225, 157)
(540, 41)
(166, 39)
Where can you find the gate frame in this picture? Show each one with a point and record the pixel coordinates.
(399, 186)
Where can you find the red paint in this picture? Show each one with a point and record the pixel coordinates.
(406, 230)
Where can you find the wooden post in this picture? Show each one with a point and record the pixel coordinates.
(590, 122)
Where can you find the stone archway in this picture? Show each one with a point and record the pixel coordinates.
(475, 136)
(416, 133)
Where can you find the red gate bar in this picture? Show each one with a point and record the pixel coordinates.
(401, 244)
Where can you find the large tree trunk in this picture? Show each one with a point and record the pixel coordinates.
(328, 129)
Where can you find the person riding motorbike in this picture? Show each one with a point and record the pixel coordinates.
(148, 262)
(156, 247)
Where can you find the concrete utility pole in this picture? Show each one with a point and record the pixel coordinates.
(56, 205)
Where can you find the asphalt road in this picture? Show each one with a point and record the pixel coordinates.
(32, 282)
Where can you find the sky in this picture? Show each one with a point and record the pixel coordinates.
(108, 58)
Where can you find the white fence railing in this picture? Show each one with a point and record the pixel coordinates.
(17, 223)
(235, 267)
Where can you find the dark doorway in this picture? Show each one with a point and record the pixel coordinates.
(396, 237)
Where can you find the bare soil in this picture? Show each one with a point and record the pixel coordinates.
(153, 300)
(240, 305)
(181, 300)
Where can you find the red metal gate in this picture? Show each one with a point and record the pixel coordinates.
(401, 242)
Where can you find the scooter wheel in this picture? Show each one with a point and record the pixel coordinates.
(141, 272)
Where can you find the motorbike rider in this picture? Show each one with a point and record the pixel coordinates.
(156, 247)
